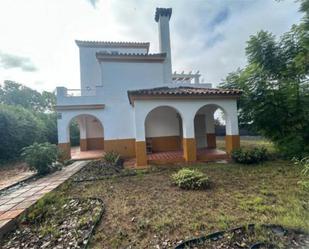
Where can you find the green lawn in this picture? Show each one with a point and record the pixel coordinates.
(246, 141)
(145, 210)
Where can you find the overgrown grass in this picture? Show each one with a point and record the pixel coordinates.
(250, 142)
(146, 209)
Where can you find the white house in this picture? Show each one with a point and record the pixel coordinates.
(132, 103)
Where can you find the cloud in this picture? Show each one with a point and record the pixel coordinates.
(93, 3)
(206, 35)
(219, 18)
(9, 61)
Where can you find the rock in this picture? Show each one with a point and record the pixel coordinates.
(45, 244)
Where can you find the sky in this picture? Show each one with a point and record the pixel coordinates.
(37, 45)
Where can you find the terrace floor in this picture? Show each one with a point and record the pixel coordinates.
(157, 158)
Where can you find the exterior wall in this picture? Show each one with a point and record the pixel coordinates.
(118, 112)
(125, 147)
(200, 131)
(90, 74)
(162, 129)
(95, 143)
(167, 143)
(94, 127)
(162, 122)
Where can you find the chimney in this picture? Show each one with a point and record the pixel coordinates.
(162, 17)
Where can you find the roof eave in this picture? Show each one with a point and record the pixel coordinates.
(133, 97)
(131, 57)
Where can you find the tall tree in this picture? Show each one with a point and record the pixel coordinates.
(13, 93)
(276, 88)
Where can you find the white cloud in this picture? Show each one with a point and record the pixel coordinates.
(45, 31)
(9, 61)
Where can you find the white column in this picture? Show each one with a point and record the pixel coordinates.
(139, 124)
(232, 120)
(188, 127)
(82, 123)
(63, 129)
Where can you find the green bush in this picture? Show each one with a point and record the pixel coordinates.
(18, 128)
(250, 155)
(41, 157)
(190, 179)
(304, 163)
(112, 158)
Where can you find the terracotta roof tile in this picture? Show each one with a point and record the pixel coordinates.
(112, 44)
(183, 92)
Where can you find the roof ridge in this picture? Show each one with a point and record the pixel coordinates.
(113, 43)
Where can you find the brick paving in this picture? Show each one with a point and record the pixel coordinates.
(177, 157)
(15, 203)
(155, 158)
(76, 154)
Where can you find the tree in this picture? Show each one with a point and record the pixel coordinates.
(18, 128)
(26, 116)
(275, 100)
(13, 93)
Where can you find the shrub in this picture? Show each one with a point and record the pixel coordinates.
(113, 158)
(41, 157)
(190, 179)
(250, 155)
(304, 163)
(18, 128)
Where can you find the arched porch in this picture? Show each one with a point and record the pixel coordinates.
(198, 140)
(91, 135)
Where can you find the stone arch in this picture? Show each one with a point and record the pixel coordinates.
(163, 129)
(91, 132)
(231, 125)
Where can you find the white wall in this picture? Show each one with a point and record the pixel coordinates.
(200, 130)
(94, 127)
(90, 74)
(187, 109)
(118, 78)
(161, 122)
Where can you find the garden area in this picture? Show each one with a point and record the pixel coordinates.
(158, 208)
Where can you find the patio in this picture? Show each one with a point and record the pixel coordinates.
(159, 158)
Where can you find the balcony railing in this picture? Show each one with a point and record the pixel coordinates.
(80, 92)
(87, 96)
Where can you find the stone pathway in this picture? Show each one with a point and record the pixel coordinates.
(16, 202)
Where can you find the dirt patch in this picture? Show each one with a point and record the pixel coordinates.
(56, 223)
(147, 211)
(252, 237)
(13, 173)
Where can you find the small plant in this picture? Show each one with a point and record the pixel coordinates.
(190, 179)
(304, 163)
(250, 155)
(41, 157)
(113, 158)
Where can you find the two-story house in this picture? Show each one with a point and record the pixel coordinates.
(131, 102)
